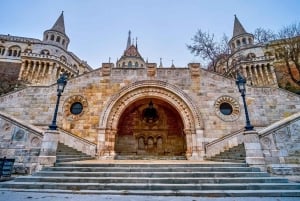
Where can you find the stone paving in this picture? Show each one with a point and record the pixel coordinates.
(28, 196)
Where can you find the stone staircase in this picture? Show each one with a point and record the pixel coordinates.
(65, 153)
(234, 154)
(181, 178)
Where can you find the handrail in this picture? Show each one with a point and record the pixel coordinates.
(75, 136)
(279, 124)
(22, 124)
(224, 137)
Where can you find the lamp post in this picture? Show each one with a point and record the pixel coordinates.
(61, 83)
(241, 84)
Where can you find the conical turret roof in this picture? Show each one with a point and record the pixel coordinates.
(59, 24)
(238, 28)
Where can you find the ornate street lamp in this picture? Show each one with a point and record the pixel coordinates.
(241, 84)
(61, 83)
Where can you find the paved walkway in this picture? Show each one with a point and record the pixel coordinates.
(30, 196)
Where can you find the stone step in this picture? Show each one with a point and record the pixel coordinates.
(153, 187)
(59, 160)
(228, 160)
(71, 156)
(146, 164)
(193, 193)
(148, 180)
(150, 174)
(151, 169)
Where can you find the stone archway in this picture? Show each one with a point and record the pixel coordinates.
(150, 128)
(150, 89)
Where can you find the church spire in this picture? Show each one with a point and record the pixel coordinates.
(59, 24)
(128, 40)
(238, 28)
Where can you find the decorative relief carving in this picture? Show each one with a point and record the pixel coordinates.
(68, 103)
(235, 113)
(19, 135)
(35, 142)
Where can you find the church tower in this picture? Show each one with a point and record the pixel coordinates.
(240, 38)
(57, 35)
(131, 57)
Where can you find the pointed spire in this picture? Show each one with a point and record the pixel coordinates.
(59, 24)
(160, 63)
(128, 40)
(238, 28)
(136, 43)
(172, 66)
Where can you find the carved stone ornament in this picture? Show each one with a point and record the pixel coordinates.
(68, 104)
(234, 115)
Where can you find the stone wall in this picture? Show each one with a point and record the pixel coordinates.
(206, 90)
(281, 145)
(21, 142)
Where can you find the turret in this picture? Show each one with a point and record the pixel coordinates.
(240, 38)
(56, 35)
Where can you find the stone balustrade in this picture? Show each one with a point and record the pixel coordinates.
(77, 143)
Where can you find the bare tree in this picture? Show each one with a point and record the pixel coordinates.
(289, 42)
(205, 46)
(262, 35)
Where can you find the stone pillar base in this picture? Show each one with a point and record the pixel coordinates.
(254, 153)
(47, 155)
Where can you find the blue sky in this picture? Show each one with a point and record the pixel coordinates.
(98, 29)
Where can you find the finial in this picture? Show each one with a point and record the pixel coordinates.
(109, 60)
(172, 66)
(160, 63)
(136, 43)
(132, 41)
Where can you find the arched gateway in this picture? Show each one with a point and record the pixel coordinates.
(150, 118)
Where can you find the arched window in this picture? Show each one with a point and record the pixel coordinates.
(244, 41)
(63, 42)
(233, 45)
(238, 43)
(52, 37)
(63, 58)
(123, 64)
(251, 56)
(14, 51)
(129, 64)
(250, 40)
(58, 39)
(45, 52)
(2, 50)
(136, 64)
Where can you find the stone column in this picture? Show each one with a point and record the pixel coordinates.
(259, 68)
(47, 155)
(106, 144)
(254, 153)
(265, 68)
(21, 70)
(189, 144)
(273, 75)
(258, 81)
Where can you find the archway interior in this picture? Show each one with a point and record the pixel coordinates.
(150, 128)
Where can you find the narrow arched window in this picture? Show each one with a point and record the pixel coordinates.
(52, 37)
(129, 64)
(136, 64)
(58, 39)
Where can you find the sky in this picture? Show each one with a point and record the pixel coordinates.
(98, 29)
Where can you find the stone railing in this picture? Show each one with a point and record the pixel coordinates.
(51, 57)
(281, 145)
(77, 143)
(21, 141)
(224, 143)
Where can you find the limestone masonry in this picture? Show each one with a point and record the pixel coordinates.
(135, 109)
